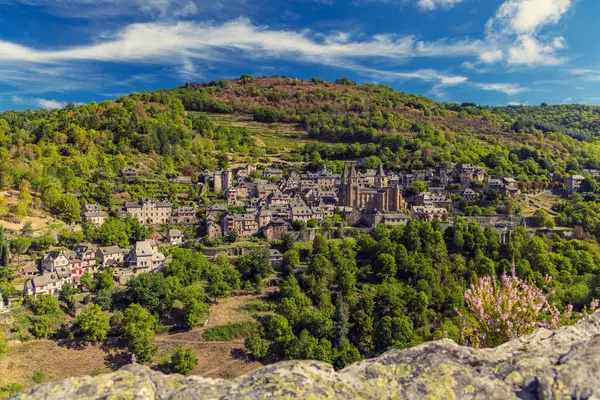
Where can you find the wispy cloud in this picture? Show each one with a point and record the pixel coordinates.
(154, 41)
(39, 103)
(153, 9)
(510, 89)
(430, 5)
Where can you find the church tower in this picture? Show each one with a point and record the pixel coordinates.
(343, 184)
(381, 179)
(353, 189)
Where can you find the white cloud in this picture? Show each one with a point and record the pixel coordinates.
(517, 103)
(510, 89)
(434, 4)
(517, 26)
(39, 103)
(491, 56)
(170, 43)
(527, 50)
(527, 16)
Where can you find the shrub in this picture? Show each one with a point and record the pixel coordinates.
(39, 377)
(230, 332)
(183, 360)
(11, 389)
(500, 311)
(256, 346)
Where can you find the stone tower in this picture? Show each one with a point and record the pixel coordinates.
(353, 189)
(227, 179)
(217, 182)
(381, 180)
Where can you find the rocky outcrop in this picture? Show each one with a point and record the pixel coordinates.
(560, 364)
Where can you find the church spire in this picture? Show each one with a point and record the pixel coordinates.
(380, 171)
(352, 172)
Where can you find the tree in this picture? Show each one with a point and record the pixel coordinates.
(87, 280)
(3, 345)
(541, 218)
(183, 360)
(195, 310)
(154, 291)
(3, 207)
(385, 266)
(140, 327)
(70, 239)
(20, 245)
(69, 208)
(416, 188)
(106, 279)
(42, 327)
(104, 299)
(255, 266)
(4, 255)
(47, 305)
(24, 203)
(320, 245)
(256, 346)
(93, 323)
(345, 354)
(288, 242)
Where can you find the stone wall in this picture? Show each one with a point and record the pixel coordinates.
(561, 364)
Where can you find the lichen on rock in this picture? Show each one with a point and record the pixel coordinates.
(564, 363)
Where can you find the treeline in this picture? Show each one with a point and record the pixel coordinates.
(400, 286)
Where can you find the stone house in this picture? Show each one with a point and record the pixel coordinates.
(94, 214)
(110, 256)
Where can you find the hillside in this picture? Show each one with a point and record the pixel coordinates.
(214, 228)
(82, 149)
(545, 364)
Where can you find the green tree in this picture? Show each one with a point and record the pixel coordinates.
(92, 323)
(69, 208)
(4, 255)
(140, 326)
(104, 299)
(194, 310)
(70, 239)
(106, 279)
(43, 327)
(3, 207)
(3, 345)
(288, 242)
(256, 346)
(20, 245)
(255, 266)
(385, 266)
(87, 280)
(416, 188)
(47, 305)
(541, 218)
(183, 360)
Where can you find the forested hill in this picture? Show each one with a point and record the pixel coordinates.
(81, 148)
(347, 112)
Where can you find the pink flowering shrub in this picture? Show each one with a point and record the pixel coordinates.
(502, 310)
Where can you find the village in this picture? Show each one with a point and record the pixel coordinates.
(269, 202)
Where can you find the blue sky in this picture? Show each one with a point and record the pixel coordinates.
(492, 52)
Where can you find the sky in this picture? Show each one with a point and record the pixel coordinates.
(490, 52)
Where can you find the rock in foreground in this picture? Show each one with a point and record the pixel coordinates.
(564, 363)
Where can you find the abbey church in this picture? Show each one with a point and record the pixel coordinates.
(380, 196)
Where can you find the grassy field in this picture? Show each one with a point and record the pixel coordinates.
(545, 200)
